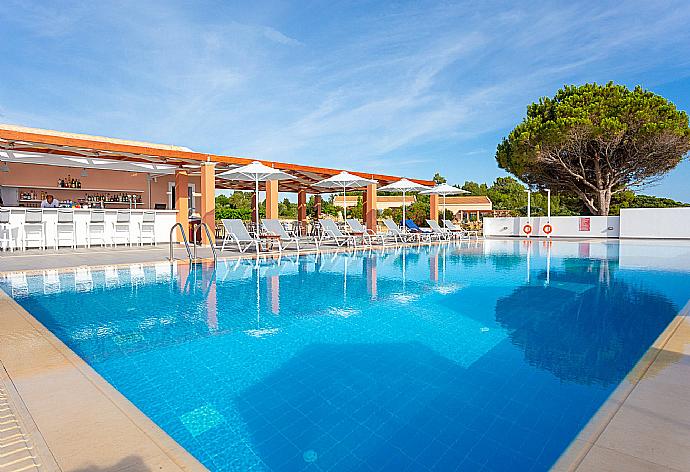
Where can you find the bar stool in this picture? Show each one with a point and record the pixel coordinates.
(34, 228)
(121, 228)
(95, 228)
(147, 228)
(65, 229)
(6, 240)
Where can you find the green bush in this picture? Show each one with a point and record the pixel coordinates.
(224, 212)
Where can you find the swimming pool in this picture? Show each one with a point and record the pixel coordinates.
(468, 356)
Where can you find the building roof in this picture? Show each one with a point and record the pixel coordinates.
(468, 200)
(15, 138)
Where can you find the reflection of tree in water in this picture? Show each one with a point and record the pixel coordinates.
(587, 335)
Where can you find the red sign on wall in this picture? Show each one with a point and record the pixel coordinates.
(584, 224)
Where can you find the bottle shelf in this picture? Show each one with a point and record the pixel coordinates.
(39, 187)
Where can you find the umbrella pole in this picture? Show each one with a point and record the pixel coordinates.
(444, 208)
(256, 196)
(344, 205)
(404, 225)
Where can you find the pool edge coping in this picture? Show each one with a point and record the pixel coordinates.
(575, 454)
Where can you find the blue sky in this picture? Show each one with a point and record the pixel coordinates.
(405, 88)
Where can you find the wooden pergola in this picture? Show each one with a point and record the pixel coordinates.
(15, 139)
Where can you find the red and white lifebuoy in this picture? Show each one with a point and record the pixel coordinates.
(548, 228)
(527, 229)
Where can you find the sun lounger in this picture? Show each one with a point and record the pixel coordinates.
(236, 232)
(460, 231)
(274, 227)
(424, 233)
(367, 234)
(440, 232)
(331, 232)
(397, 233)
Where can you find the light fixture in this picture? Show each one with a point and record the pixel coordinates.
(84, 173)
(4, 167)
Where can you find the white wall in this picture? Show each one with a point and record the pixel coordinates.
(667, 223)
(165, 219)
(563, 226)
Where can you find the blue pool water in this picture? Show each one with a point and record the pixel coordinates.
(486, 356)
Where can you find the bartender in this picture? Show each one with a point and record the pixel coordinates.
(50, 202)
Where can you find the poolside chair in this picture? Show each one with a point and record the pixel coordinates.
(274, 227)
(6, 241)
(436, 228)
(147, 228)
(65, 229)
(122, 228)
(358, 228)
(95, 228)
(453, 228)
(34, 228)
(331, 232)
(423, 233)
(397, 233)
(236, 232)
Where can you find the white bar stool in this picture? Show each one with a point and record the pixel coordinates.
(65, 229)
(121, 228)
(147, 228)
(34, 228)
(6, 240)
(95, 228)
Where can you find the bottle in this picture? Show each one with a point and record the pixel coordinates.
(78, 183)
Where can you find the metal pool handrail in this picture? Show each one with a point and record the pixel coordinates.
(210, 242)
(184, 237)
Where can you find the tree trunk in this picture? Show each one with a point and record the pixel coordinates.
(604, 201)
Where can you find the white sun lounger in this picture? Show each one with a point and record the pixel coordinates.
(460, 231)
(274, 227)
(358, 228)
(397, 233)
(236, 232)
(437, 230)
(331, 232)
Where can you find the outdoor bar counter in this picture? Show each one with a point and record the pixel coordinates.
(158, 230)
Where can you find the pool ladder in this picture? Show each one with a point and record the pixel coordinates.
(191, 253)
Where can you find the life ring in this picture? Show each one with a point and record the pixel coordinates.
(548, 228)
(527, 229)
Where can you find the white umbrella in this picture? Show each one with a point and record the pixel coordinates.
(255, 172)
(345, 180)
(404, 185)
(444, 189)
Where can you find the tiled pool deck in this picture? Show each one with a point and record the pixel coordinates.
(84, 424)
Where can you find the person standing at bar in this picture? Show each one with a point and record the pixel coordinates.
(50, 202)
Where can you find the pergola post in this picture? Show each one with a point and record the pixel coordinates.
(182, 200)
(302, 208)
(433, 207)
(208, 200)
(271, 199)
(317, 206)
(370, 209)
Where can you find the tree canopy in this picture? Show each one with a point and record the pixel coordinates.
(594, 141)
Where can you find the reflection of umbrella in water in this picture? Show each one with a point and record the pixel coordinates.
(443, 288)
(404, 297)
(260, 332)
(343, 310)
